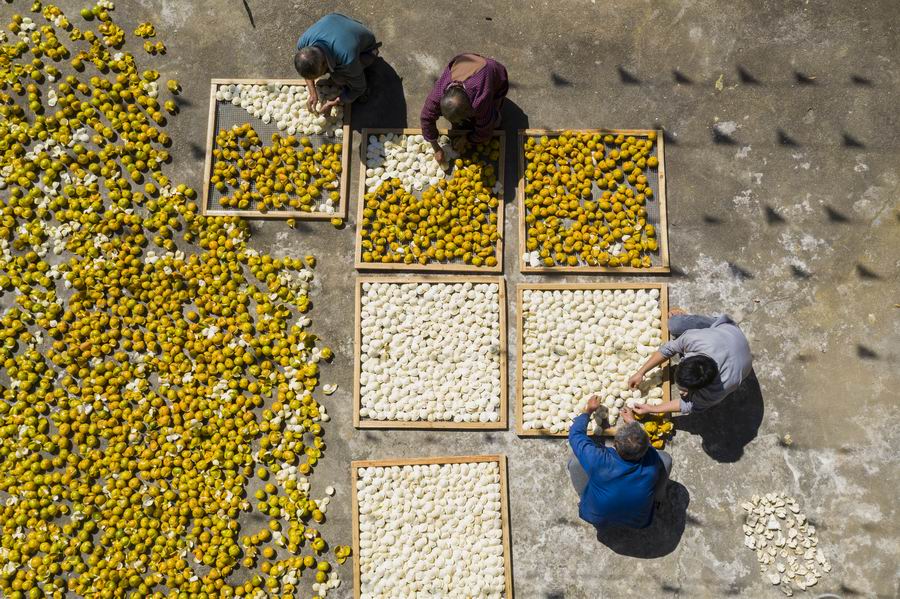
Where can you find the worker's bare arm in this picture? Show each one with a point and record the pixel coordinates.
(663, 408)
(652, 362)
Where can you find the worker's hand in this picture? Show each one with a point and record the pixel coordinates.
(627, 415)
(683, 392)
(642, 408)
(593, 404)
(439, 155)
(328, 106)
(313, 101)
(635, 380)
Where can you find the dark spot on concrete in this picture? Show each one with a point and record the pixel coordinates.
(804, 358)
(560, 81)
(489, 438)
(721, 138)
(693, 520)
(627, 77)
(489, 18)
(865, 273)
(709, 219)
(861, 81)
(772, 216)
(804, 79)
(866, 353)
(661, 537)
(729, 426)
(852, 142)
(249, 13)
(834, 216)
(668, 588)
(677, 271)
(786, 140)
(848, 590)
(181, 101)
(197, 151)
(799, 272)
(746, 76)
(669, 138)
(555, 595)
(681, 78)
(740, 272)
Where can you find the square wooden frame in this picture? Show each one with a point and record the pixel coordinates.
(520, 321)
(433, 266)
(662, 228)
(343, 201)
(504, 505)
(502, 424)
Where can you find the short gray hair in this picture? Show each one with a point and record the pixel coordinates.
(455, 105)
(310, 62)
(632, 442)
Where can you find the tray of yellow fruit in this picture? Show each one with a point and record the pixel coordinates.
(268, 156)
(592, 200)
(417, 214)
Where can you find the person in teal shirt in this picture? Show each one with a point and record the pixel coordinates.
(620, 485)
(341, 47)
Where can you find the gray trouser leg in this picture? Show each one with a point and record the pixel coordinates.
(661, 484)
(680, 323)
(578, 475)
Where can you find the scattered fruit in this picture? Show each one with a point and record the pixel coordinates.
(152, 361)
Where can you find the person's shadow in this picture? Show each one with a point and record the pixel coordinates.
(513, 119)
(386, 106)
(725, 429)
(661, 537)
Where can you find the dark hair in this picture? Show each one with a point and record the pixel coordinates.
(309, 62)
(455, 104)
(696, 372)
(631, 442)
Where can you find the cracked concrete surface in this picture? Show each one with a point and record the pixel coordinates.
(783, 164)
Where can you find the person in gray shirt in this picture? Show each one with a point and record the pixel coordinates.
(715, 359)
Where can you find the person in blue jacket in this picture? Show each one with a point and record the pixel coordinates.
(341, 47)
(619, 485)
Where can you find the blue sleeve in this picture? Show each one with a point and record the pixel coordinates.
(587, 452)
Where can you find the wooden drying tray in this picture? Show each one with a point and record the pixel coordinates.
(344, 191)
(520, 321)
(423, 424)
(504, 505)
(661, 228)
(431, 266)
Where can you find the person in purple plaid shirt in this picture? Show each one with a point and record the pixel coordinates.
(469, 94)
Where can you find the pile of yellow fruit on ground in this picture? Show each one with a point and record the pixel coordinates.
(155, 368)
(453, 221)
(659, 427)
(586, 197)
(289, 174)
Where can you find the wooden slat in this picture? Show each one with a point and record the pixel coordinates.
(438, 267)
(662, 235)
(346, 142)
(387, 463)
(520, 326)
(359, 423)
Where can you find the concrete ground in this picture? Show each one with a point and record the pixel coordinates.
(783, 173)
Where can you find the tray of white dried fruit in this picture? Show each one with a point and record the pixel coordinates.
(430, 352)
(268, 156)
(431, 527)
(417, 214)
(577, 339)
